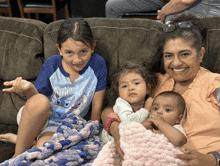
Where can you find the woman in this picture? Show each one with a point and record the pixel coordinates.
(181, 58)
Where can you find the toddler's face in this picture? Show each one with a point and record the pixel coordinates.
(75, 54)
(167, 108)
(132, 87)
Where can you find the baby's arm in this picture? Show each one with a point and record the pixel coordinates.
(97, 102)
(175, 136)
(19, 86)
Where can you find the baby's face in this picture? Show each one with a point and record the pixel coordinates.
(167, 108)
(132, 87)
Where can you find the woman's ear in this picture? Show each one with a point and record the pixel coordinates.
(201, 54)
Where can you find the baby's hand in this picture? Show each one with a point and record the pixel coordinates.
(18, 85)
(157, 120)
(113, 115)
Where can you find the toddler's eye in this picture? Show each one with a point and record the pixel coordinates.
(136, 83)
(124, 86)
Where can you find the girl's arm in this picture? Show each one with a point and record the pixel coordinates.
(173, 7)
(97, 102)
(175, 136)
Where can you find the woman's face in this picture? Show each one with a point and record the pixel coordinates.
(181, 60)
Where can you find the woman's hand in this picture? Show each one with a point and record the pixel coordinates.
(161, 16)
(18, 85)
(194, 158)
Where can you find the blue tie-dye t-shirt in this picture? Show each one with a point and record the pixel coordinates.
(67, 97)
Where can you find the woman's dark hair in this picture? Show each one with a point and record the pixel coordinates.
(138, 66)
(194, 34)
(76, 28)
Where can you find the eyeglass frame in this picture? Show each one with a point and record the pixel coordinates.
(182, 25)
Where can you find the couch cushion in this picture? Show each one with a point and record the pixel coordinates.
(118, 39)
(21, 48)
(211, 59)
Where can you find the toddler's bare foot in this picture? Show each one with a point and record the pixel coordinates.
(9, 137)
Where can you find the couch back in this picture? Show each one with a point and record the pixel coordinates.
(25, 44)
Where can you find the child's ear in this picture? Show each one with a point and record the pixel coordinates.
(94, 44)
(180, 117)
(58, 47)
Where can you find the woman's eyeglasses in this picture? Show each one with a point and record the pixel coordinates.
(172, 27)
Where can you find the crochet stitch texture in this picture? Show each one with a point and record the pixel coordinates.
(141, 147)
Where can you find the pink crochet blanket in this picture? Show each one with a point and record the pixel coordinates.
(141, 148)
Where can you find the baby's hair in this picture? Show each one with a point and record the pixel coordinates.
(76, 28)
(142, 68)
(180, 99)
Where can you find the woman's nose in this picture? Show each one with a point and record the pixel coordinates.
(176, 61)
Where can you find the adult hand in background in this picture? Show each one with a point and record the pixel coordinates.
(194, 158)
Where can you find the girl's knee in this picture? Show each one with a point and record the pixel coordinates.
(38, 102)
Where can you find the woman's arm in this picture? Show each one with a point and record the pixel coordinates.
(173, 7)
(97, 102)
(197, 159)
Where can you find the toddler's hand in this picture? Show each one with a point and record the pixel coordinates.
(18, 85)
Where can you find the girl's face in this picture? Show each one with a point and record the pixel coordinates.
(181, 60)
(132, 87)
(75, 54)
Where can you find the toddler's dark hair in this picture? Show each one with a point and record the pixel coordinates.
(180, 99)
(76, 28)
(138, 66)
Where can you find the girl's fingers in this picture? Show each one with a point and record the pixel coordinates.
(8, 83)
(8, 90)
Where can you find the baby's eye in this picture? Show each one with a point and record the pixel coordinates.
(168, 110)
(83, 52)
(136, 83)
(155, 108)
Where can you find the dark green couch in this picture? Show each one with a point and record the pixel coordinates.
(25, 44)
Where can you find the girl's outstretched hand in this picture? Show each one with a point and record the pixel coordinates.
(18, 85)
(194, 158)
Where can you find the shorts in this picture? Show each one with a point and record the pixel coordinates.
(43, 130)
